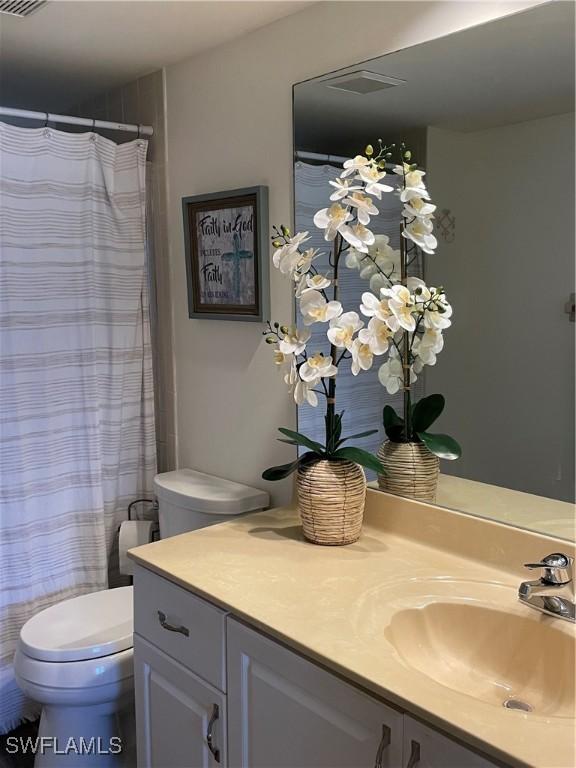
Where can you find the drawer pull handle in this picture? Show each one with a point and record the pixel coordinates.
(414, 755)
(210, 733)
(384, 743)
(170, 627)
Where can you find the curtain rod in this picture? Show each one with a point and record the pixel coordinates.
(302, 155)
(48, 117)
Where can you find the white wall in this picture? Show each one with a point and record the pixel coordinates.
(229, 117)
(507, 369)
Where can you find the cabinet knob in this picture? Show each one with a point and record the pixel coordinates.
(210, 733)
(384, 743)
(414, 755)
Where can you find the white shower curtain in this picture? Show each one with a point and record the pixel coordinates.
(76, 402)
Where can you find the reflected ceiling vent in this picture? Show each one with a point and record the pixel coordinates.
(363, 82)
(20, 7)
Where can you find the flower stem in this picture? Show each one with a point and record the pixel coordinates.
(331, 399)
(405, 335)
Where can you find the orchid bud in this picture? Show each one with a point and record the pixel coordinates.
(381, 165)
(270, 340)
(369, 150)
(276, 243)
(407, 155)
(284, 329)
(285, 231)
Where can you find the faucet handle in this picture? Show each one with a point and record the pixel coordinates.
(557, 568)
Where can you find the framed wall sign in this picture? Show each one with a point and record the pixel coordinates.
(226, 238)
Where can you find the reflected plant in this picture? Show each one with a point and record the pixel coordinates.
(404, 318)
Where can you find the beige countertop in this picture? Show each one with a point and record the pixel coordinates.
(536, 513)
(335, 605)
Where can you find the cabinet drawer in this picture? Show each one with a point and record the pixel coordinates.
(182, 625)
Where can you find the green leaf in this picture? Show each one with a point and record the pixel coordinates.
(283, 470)
(302, 440)
(443, 446)
(426, 411)
(360, 456)
(358, 435)
(288, 442)
(393, 424)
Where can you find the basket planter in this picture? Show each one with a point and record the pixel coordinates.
(411, 470)
(331, 497)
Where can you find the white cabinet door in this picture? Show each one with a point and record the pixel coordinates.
(180, 719)
(427, 748)
(286, 711)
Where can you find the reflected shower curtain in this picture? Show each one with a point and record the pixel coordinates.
(76, 402)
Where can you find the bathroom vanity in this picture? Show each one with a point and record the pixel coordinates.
(255, 648)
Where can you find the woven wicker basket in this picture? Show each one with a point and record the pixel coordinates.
(411, 470)
(331, 496)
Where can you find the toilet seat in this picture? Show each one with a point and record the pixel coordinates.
(92, 626)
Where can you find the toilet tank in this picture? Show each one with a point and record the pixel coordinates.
(188, 500)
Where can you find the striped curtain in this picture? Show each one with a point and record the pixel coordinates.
(76, 402)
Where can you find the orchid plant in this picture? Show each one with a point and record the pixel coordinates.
(404, 319)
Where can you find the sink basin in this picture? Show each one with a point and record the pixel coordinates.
(509, 658)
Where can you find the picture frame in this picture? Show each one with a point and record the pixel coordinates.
(227, 254)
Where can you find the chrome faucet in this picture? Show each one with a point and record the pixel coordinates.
(553, 592)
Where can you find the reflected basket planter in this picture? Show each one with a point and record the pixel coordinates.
(331, 498)
(411, 470)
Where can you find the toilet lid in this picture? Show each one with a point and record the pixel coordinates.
(85, 627)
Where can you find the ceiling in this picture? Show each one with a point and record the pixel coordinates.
(71, 51)
(507, 71)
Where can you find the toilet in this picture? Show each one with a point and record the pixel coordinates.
(75, 658)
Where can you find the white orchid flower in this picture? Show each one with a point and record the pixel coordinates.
(364, 206)
(372, 306)
(306, 259)
(304, 393)
(368, 269)
(420, 232)
(288, 249)
(291, 377)
(317, 283)
(377, 282)
(419, 289)
(372, 177)
(343, 328)
(377, 336)
(294, 342)
(315, 308)
(418, 207)
(412, 176)
(317, 367)
(438, 313)
(354, 165)
(401, 303)
(343, 188)
(428, 346)
(362, 357)
(359, 236)
(332, 220)
(390, 375)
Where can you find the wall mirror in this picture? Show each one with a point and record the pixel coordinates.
(488, 113)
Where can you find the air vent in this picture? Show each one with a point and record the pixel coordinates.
(20, 7)
(363, 82)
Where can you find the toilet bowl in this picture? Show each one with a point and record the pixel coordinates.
(76, 657)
